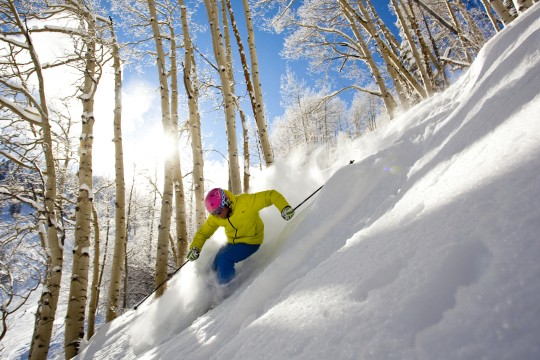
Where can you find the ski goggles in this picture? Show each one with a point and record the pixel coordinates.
(219, 210)
(221, 207)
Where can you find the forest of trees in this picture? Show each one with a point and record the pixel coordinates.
(125, 235)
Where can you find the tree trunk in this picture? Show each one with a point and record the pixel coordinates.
(458, 27)
(49, 226)
(522, 5)
(487, 9)
(166, 200)
(233, 82)
(422, 66)
(253, 99)
(81, 253)
(79, 279)
(258, 110)
(389, 102)
(502, 11)
(228, 96)
(124, 260)
(192, 90)
(152, 218)
(245, 136)
(394, 46)
(94, 289)
(179, 195)
(95, 298)
(117, 268)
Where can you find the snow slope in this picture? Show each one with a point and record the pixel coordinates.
(427, 247)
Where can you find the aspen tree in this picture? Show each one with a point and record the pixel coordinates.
(385, 94)
(92, 310)
(435, 56)
(245, 137)
(522, 5)
(94, 289)
(179, 195)
(487, 9)
(117, 268)
(257, 88)
(425, 52)
(36, 115)
(75, 316)
(243, 121)
(166, 200)
(192, 91)
(502, 11)
(458, 27)
(390, 58)
(228, 97)
(394, 46)
(420, 63)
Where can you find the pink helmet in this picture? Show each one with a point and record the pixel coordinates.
(215, 199)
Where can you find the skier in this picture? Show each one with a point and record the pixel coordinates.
(239, 215)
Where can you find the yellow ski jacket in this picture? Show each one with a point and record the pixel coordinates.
(244, 225)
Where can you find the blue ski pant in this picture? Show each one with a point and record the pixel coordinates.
(229, 255)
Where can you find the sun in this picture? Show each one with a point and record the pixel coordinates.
(166, 147)
(150, 148)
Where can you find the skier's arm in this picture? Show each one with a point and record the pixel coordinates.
(204, 233)
(270, 197)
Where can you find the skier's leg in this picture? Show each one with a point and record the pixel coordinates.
(227, 256)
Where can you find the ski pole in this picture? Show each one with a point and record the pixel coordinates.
(316, 191)
(309, 197)
(147, 296)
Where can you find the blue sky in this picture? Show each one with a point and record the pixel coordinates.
(272, 67)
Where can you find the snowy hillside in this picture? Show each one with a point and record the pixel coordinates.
(427, 247)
